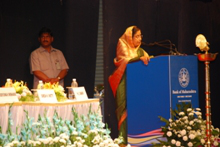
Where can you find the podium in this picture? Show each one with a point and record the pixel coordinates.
(153, 89)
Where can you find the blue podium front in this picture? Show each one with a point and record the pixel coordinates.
(154, 89)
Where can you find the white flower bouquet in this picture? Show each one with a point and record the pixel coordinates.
(186, 128)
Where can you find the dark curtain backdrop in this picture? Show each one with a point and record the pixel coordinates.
(180, 22)
(74, 24)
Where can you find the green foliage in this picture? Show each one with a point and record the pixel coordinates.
(60, 96)
(27, 98)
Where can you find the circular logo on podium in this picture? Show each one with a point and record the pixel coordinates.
(183, 77)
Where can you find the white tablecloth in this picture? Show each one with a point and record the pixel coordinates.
(64, 110)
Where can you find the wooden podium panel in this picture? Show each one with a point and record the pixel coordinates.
(154, 89)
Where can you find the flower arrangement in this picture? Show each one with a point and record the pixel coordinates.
(22, 91)
(82, 131)
(186, 128)
(58, 89)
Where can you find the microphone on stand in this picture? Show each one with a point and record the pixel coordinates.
(149, 44)
(165, 44)
(144, 44)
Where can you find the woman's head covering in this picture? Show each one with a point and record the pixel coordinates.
(127, 37)
(125, 47)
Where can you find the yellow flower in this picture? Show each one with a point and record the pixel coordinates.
(47, 86)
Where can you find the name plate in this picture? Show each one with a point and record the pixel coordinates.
(47, 95)
(8, 95)
(80, 93)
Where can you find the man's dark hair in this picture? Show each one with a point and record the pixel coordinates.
(45, 30)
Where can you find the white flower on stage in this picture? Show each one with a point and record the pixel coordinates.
(199, 121)
(56, 139)
(191, 114)
(181, 113)
(30, 142)
(178, 143)
(185, 118)
(169, 134)
(75, 133)
(18, 95)
(189, 128)
(198, 113)
(9, 145)
(64, 136)
(183, 132)
(37, 143)
(173, 141)
(216, 143)
(191, 136)
(22, 142)
(189, 109)
(198, 109)
(15, 143)
(185, 138)
(62, 141)
(23, 94)
(93, 131)
(191, 122)
(96, 140)
(186, 122)
(190, 144)
(44, 140)
(202, 141)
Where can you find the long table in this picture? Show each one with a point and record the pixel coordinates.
(34, 109)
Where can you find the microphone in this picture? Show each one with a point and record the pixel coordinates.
(165, 44)
(150, 44)
(143, 43)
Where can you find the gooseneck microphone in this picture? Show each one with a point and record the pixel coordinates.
(165, 44)
(143, 43)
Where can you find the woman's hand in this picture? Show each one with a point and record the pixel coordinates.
(145, 59)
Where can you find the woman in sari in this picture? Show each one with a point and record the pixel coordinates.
(128, 50)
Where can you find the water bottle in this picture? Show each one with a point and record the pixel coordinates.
(8, 83)
(40, 85)
(70, 92)
(74, 83)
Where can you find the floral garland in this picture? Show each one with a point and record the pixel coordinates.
(186, 128)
